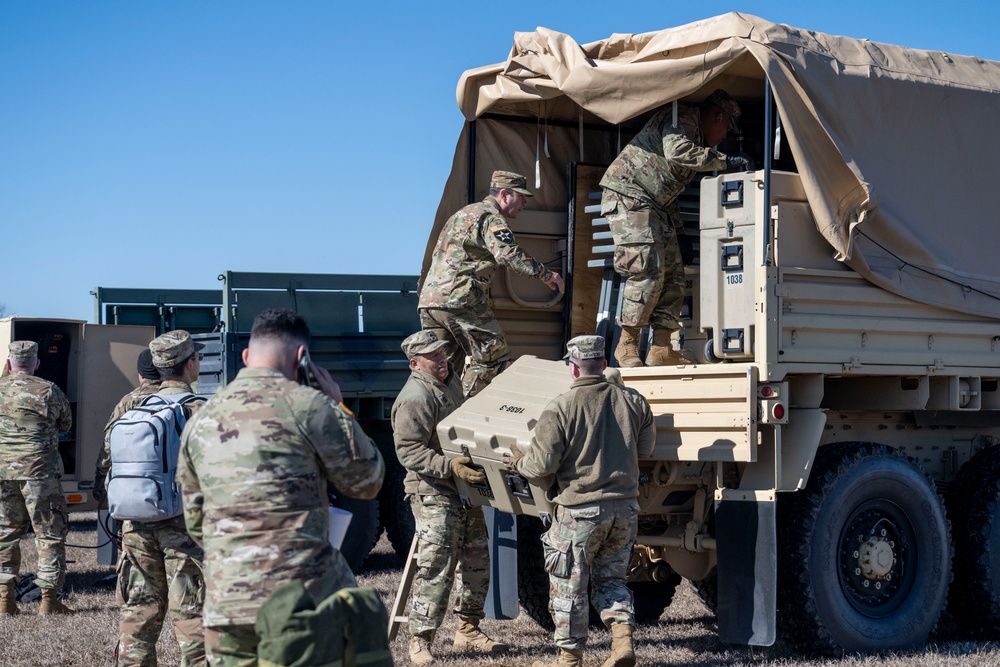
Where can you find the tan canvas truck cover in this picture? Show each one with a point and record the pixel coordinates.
(893, 144)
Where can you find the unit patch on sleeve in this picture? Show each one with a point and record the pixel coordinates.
(502, 233)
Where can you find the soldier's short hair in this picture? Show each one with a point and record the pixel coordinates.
(175, 372)
(281, 324)
(590, 366)
(721, 101)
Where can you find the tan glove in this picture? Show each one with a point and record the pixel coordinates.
(460, 468)
(510, 460)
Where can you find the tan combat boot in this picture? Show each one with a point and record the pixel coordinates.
(622, 653)
(568, 657)
(51, 604)
(8, 599)
(627, 352)
(468, 637)
(662, 354)
(420, 650)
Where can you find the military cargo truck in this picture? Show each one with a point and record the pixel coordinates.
(357, 323)
(829, 469)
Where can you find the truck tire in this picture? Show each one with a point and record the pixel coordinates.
(363, 530)
(532, 580)
(651, 598)
(864, 557)
(974, 508)
(395, 513)
(395, 516)
(707, 591)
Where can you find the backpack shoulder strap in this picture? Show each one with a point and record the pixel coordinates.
(164, 399)
(153, 399)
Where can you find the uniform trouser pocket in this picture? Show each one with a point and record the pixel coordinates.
(558, 555)
(631, 225)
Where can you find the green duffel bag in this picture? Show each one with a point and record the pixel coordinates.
(347, 629)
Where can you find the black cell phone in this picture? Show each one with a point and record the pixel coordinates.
(305, 374)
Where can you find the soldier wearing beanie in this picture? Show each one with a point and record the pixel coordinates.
(448, 534)
(33, 412)
(639, 201)
(610, 427)
(455, 301)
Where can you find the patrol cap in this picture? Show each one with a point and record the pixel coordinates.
(172, 348)
(511, 181)
(23, 350)
(585, 347)
(422, 342)
(721, 99)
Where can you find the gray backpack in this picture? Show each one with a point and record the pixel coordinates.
(145, 442)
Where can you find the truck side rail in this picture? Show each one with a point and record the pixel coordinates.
(195, 310)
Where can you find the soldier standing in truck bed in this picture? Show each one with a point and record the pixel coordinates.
(455, 301)
(639, 201)
(32, 413)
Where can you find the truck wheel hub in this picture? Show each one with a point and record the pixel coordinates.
(876, 558)
(872, 559)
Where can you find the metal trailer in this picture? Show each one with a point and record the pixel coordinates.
(357, 324)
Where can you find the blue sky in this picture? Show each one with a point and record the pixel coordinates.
(157, 144)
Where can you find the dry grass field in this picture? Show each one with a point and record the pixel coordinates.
(685, 634)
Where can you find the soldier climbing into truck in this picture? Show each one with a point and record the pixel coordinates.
(455, 300)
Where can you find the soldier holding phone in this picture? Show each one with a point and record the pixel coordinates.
(254, 465)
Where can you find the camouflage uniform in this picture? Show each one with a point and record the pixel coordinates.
(590, 439)
(32, 413)
(450, 537)
(254, 466)
(639, 201)
(455, 299)
(159, 572)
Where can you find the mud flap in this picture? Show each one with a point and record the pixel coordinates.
(746, 538)
(501, 599)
